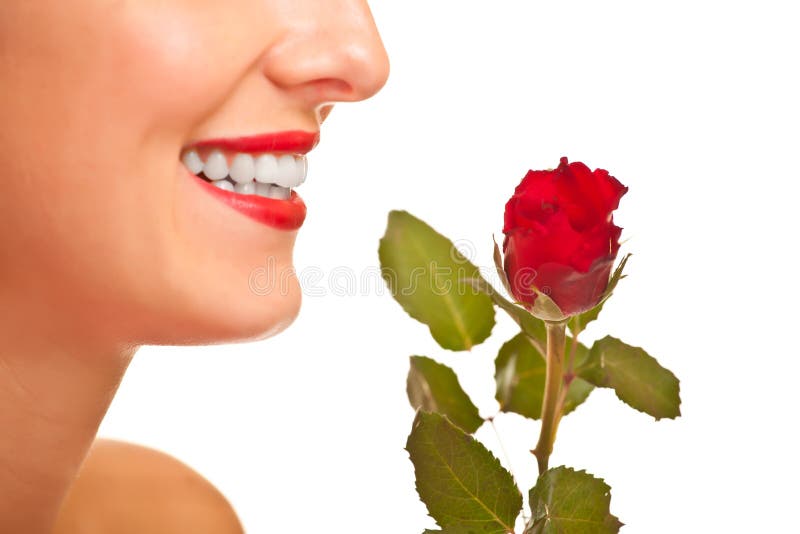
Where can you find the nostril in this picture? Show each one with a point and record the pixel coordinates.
(330, 90)
(323, 112)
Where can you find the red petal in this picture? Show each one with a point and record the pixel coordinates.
(533, 202)
(575, 292)
(587, 197)
(555, 241)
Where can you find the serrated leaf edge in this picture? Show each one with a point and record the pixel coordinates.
(624, 401)
(535, 521)
(416, 424)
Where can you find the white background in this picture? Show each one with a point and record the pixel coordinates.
(693, 105)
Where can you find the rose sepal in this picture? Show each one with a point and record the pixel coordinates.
(578, 322)
(498, 265)
(616, 276)
(546, 309)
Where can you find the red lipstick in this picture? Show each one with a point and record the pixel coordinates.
(280, 214)
(286, 214)
(294, 142)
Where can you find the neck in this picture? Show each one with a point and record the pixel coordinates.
(53, 396)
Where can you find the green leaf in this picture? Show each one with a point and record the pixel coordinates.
(565, 501)
(425, 273)
(579, 391)
(578, 323)
(463, 485)
(434, 387)
(636, 377)
(520, 376)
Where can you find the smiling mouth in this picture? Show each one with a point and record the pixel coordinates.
(255, 175)
(265, 175)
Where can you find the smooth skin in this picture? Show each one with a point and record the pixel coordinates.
(127, 489)
(107, 245)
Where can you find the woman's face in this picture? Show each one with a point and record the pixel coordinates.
(101, 222)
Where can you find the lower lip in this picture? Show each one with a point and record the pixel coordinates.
(279, 214)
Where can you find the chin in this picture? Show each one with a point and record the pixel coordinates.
(265, 316)
(226, 314)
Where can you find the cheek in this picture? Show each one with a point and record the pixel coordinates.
(180, 60)
(90, 140)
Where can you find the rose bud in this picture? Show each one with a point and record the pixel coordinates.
(560, 236)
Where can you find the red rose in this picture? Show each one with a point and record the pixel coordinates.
(561, 237)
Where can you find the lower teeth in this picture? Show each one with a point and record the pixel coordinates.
(252, 188)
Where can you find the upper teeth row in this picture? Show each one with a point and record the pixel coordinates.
(285, 171)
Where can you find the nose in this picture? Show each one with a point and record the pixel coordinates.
(330, 52)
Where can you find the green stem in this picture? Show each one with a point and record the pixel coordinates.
(556, 346)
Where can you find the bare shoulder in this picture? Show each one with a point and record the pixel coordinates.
(125, 489)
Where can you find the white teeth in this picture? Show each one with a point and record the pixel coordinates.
(223, 184)
(302, 170)
(266, 169)
(193, 162)
(216, 168)
(255, 188)
(243, 168)
(266, 175)
(277, 191)
(262, 190)
(287, 171)
(245, 189)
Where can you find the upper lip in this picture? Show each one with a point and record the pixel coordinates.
(293, 141)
